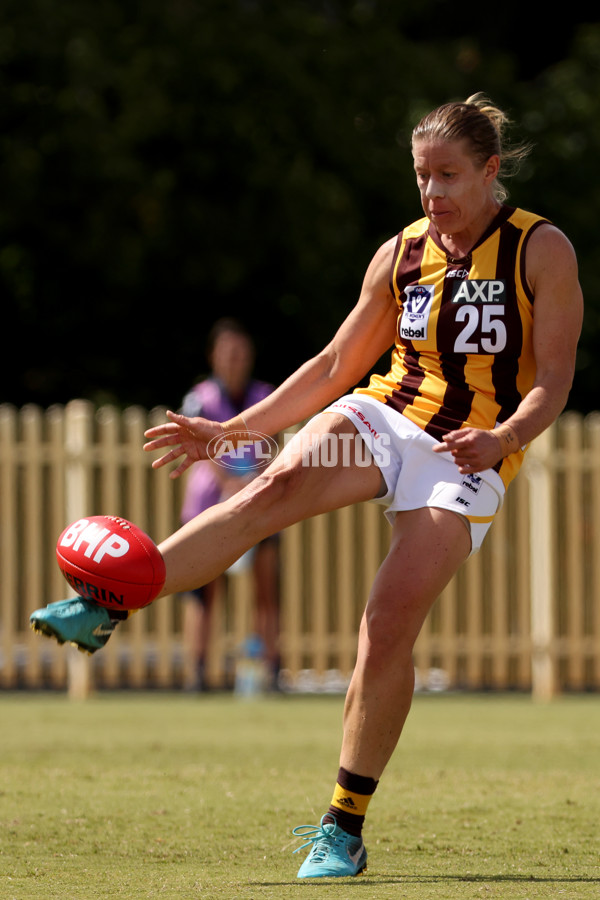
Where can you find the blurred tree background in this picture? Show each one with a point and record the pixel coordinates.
(166, 163)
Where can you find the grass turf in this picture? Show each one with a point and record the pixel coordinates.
(177, 796)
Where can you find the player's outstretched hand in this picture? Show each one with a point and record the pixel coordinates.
(188, 437)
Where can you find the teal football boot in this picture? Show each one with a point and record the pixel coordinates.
(334, 852)
(76, 621)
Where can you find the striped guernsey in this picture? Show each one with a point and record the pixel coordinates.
(464, 342)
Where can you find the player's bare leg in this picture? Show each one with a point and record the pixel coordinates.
(428, 545)
(427, 548)
(289, 490)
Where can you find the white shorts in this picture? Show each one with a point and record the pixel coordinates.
(414, 475)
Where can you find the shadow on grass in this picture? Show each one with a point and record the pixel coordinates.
(371, 880)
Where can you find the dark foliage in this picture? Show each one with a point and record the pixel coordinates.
(163, 164)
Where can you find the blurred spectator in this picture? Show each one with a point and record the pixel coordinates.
(227, 391)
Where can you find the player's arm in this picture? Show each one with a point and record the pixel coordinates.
(363, 337)
(558, 312)
(558, 316)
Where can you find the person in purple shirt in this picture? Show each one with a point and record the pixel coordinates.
(229, 389)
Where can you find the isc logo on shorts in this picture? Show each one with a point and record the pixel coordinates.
(415, 312)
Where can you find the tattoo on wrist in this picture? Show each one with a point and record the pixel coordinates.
(507, 438)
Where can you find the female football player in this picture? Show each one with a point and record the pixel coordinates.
(481, 304)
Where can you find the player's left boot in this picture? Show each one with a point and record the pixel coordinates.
(334, 852)
(76, 621)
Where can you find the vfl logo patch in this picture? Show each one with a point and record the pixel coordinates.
(415, 313)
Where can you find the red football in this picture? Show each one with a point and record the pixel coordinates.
(111, 561)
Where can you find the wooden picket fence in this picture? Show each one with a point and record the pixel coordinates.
(523, 614)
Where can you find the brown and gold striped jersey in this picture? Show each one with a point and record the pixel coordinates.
(464, 350)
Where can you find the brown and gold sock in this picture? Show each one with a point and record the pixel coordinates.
(350, 801)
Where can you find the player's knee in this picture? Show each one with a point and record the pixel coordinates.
(387, 635)
(274, 489)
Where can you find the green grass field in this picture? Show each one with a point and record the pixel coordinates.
(169, 796)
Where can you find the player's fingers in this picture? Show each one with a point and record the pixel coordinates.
(451, 439)
(169, 457)
(160, 442)
(181, 468)
(450, 446)
(182, 423)
(158, 430)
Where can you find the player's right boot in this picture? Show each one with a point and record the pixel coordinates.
(76, 621)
